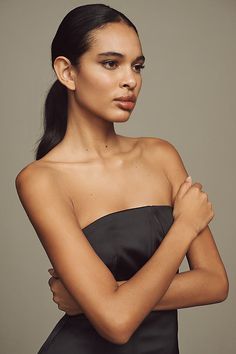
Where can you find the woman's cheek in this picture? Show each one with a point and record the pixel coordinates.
(106, 79)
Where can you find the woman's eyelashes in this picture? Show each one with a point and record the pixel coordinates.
(112, 67)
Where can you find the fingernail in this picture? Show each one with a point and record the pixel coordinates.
(189, 179)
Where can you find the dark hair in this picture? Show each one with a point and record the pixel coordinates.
(72, 39)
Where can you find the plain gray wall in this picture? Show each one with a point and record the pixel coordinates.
(187, 98)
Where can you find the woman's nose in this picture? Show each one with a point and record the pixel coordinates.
(129, 80)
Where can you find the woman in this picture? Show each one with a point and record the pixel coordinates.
(115, 215)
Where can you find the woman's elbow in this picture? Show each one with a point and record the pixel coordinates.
(115, 325)
(223, 288)
(117, 332)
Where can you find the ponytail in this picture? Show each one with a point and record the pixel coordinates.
(55, 118)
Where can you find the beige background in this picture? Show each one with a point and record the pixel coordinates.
(188, 98)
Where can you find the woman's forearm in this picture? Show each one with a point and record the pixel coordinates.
(191, 288)
(150, 283)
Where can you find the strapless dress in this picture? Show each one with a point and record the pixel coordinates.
(124, 240)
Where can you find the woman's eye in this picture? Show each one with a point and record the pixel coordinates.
(109, 62)
(139, 67)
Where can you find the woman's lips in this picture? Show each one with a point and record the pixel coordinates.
(125, 104)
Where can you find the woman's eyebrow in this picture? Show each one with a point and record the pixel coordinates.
(116, 54)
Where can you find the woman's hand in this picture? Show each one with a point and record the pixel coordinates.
(61, 296)
(192, 206)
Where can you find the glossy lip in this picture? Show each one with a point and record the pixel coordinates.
(131, 98)
(127, 105)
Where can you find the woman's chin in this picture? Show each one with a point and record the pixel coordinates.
(121, 116)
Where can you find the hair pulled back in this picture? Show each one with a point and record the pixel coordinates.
(71, 40)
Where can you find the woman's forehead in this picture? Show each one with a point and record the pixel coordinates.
(116, 37)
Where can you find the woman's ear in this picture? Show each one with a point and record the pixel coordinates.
(64, 71)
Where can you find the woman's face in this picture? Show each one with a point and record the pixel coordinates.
(102, 78)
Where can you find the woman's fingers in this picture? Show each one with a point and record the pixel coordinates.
(51, 281)
(184, 187)
(198, 185)
(53, 273)
(62, 297)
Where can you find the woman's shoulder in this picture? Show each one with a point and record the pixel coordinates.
(164, 153)
(158, 147)
(153, 140)
(35, 173)
(34, 167)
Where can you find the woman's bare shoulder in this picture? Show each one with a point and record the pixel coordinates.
(35, 175)
(166, 155)
(37, 168)
(158, 147)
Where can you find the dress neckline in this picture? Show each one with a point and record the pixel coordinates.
(126, 210)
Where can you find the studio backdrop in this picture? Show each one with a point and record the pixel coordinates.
(187, 98)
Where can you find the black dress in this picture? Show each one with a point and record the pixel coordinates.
(124, 240)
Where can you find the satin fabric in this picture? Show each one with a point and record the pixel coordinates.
(124, 240)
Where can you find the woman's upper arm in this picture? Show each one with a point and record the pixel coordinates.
(81, 270)
(202, 253)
